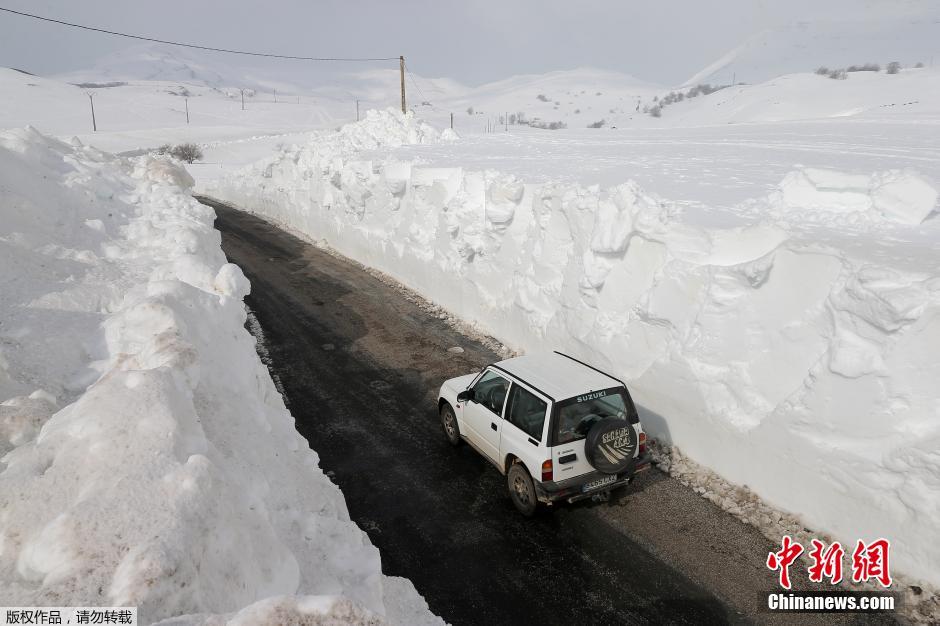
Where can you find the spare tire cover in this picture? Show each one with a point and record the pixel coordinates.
(610, 445)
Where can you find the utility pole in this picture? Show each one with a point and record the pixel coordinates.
(275, 95)
(452, 121)
(507, 121)
(94, 125)
(243, 99)
(401, 65)
(187, 110)
(357, 110)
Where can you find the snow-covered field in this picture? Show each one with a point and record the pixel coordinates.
(148, 458)
(144, 114)
(771, 292)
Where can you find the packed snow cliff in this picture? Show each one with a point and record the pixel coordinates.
(775, 350)
(148, 459)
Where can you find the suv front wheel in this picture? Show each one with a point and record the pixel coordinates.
(521, 489)
(449, 424)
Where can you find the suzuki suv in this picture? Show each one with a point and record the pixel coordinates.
(557, 428)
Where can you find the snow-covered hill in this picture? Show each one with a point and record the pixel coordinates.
(575, 98)
(910, 94)
(908, 38)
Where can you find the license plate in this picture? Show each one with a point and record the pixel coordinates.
(596, 484)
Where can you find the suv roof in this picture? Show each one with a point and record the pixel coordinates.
(557, 375)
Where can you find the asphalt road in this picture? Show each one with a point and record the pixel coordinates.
(360, 363)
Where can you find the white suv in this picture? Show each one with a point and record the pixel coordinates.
(558, 428)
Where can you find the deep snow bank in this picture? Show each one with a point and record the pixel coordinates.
(149, 459)
(797, 369)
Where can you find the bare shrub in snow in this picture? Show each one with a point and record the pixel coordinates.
(542, 97)
(919, 65)
(894, 67)
(537, 123)
(822, 70)
(469, 110)
(188, 152)
(838, 74)
(656, 111)
(703, 90)
(868, 67)
(598, 123)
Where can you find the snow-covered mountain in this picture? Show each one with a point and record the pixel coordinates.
(162, 63)
(805, 46)
(154, 62)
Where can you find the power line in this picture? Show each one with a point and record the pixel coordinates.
(413, 82)
(418, 88)
(190, 45)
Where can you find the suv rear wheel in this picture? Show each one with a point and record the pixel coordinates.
(521, 489)
(449, 424)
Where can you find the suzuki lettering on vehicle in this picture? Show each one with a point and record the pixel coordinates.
(591, 396)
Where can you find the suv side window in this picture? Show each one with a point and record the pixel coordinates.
(526, 411)
(490, 391)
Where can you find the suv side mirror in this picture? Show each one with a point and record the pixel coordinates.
(466, 394)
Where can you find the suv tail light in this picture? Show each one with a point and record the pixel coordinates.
(547, 470)
(642, 444)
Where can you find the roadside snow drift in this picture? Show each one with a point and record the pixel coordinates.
(149, 460)
(763, 349)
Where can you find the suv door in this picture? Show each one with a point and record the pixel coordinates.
(524, 428)
(483, 414)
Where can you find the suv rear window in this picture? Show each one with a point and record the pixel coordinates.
(576, 415)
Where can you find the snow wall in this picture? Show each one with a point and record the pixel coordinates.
(148, 458)
(792, 368)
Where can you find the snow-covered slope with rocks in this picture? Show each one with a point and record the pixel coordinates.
(148, 459)
(906, 34)
(788, 342)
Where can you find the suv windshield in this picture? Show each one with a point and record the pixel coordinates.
(577, 415)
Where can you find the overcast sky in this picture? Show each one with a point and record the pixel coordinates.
(473, 41)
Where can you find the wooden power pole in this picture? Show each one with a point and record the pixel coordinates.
(401, 64)
(94, 125)
(187, 110)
